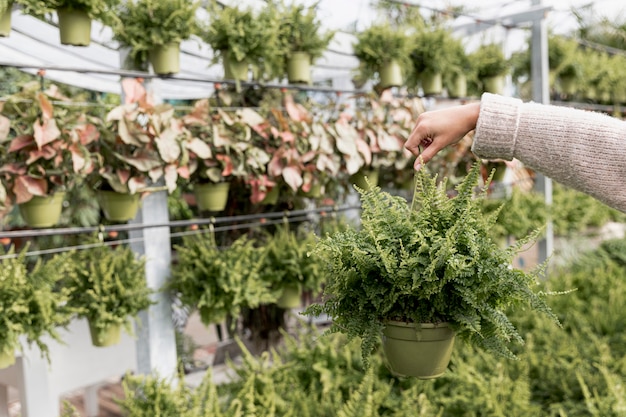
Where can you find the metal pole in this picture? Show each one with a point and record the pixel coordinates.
(541, 94)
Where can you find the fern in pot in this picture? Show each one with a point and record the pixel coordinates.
(107, 286)
(425, 271)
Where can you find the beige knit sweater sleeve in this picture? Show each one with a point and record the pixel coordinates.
(581, 149)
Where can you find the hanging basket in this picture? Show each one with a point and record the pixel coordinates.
(431, 83)
(493, 84)
(7, 359)
(234, 70)
(358, 179)
(418, 350)
(103, 337)
(42, 211)
(74, 27)
(299, 68)
(290, 298)
(5, 23)
(457, 88)
(118, 207)
(165, 59)
(211, 196)
(391, 75)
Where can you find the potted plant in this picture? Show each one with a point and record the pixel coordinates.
(302, 40)
(216, 282)
(240, 38)
(32, 303)
(461, 71)
(425, 270)
(491, 66)
(288, 267)
(383, 52)
(431, 58)
(107, 287)
(47, 152)
(6, 6)
(153, 30)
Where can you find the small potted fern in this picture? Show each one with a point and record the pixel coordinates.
(424, 271)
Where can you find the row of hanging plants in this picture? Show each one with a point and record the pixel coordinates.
(574, 371)
(104, 285)
(138, 147)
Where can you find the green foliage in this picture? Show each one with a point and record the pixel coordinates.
(431, 261)
(518, 215)
(107, 285)
(30, 303)
(490, 61)
(379, 45)
(143, 24)
(219, 282)
(431, 50)
(245, 35)
(300, 30)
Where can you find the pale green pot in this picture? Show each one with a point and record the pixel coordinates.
(494, 84)
(271, 197)
(42, 211)
(108, 336)
(358, 179)
(290, 298)
(391, 75)
(299, 68)
(211, 196)
(457, 88)
(165, 59)
(74, 27)
(234, 70)
(432, 83)
(5, 23)
(418, 350)
(118, 207)
(7, 359)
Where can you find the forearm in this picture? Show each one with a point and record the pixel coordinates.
(580, 149)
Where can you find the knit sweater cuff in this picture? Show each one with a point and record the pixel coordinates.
(496, 129)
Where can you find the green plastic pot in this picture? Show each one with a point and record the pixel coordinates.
(358, 179)
(7, 359)
(418, 350)
(299, 68)
(165, 59)
(5, 23)
(493, 84)
(290, 298)
(234, 70)
(74, 27)
(211, 196)
(314, 192)
(42, 211)
(458, 86)
(107, 336)
(271, 197)
(391, 75)
(432, 83)
(118, 207)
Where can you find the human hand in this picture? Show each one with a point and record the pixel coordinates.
(437, 129)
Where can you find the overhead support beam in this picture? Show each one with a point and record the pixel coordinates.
(536, 12)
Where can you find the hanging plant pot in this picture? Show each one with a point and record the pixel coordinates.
(234, 70)
(74, 27)
(271, 197)
(211, 196)
(107, 336)
(118, 207)
(457, 87)
(493, 84)
(7, 359)
(314, 192)
(569, 85)
(290, 298)
(418, 350)
(299, 68)
(5, 23)
(42, 211)
(165, 59)
(391, 75)
(431, 83)
(358, 179)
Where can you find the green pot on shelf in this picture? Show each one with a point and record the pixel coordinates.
(165, 59)
(234, 70)
(42, 211)
(118, 207)
(391, 75)
(211, 196)
(107, 336)
(7, 359)
(494, 84)
(74, 27)
(271, 197)
(432, 83)
(5, 23)
(299, 68)
(423, 352)
(457, 87)
(290, 297)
